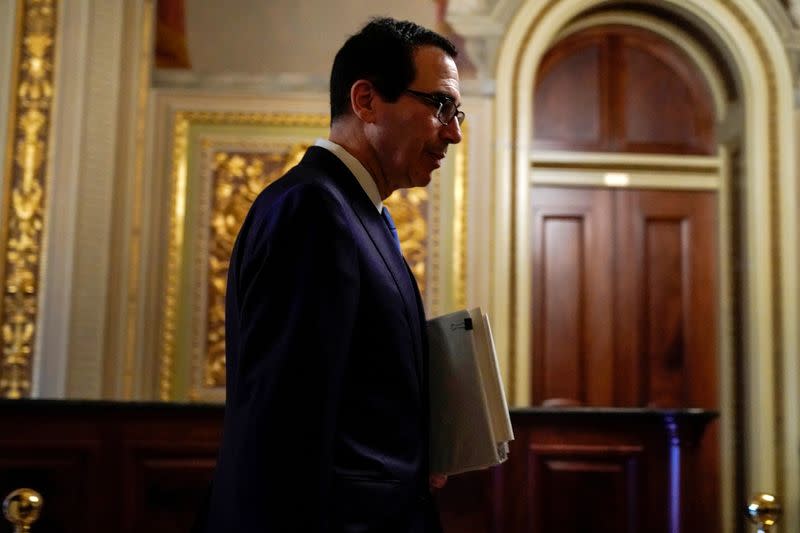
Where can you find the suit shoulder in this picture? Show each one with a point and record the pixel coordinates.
(299, 191)
(297, 200)
(302, 185)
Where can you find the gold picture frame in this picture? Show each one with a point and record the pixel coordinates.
(219, 162)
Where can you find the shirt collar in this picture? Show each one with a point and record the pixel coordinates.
(359, 171)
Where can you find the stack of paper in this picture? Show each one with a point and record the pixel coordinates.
(470, 426)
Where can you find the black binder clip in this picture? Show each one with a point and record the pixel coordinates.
(467, 325)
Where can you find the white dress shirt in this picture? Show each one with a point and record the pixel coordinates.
(354, 165)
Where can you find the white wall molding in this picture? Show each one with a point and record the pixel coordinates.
(96, 162)
(63, 176)
(125, 297)
(482, 25)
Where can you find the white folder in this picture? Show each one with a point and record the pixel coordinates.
(470, 425)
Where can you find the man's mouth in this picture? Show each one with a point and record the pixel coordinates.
(436, 159)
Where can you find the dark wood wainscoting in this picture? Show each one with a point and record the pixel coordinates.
(133, 467)
(103, 466)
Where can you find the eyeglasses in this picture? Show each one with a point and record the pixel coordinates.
(446, 108)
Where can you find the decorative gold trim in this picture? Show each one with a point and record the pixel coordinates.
(28, 182)
(408, 208)
(10, 130)
(460, 202)
(307, 120)
(200, 290)
(177, 216)
(183, 121)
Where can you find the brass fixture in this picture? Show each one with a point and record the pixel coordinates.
(764, 510)
(22, 508)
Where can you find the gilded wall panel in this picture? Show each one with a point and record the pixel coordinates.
(220, 163)
(237, 177)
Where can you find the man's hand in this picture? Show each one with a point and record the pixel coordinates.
(437, 481)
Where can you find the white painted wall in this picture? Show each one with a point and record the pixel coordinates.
(283, 36)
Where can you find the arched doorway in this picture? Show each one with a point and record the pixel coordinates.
(624, 191)
(760, 255)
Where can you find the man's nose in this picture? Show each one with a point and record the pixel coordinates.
(452, 132)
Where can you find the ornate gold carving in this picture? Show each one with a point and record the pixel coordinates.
(238, 178)
(26, 180)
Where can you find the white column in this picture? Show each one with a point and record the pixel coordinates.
(66, 147)
(89, 166)
(93, 216)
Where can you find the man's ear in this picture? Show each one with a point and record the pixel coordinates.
(363, 99)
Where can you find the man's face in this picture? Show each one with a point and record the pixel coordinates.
(409, 140)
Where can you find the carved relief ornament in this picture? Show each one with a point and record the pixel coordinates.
(25, 193)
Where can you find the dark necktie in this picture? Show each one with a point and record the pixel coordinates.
(387, 218)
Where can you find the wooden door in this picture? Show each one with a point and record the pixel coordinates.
(624, 307)
(572, 337)
(667, 329)
(624, 289)
(624, 297)
(666, 314)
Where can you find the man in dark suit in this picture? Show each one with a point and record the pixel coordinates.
(326, 420)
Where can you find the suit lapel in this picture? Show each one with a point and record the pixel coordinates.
(382, 239)
(384, 242)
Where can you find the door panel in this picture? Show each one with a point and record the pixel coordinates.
(595, 488)
(666, 286)
(580, 118)
(617, 88)
(667, 274)
(624, 306)
(572, 304)
(624, 294)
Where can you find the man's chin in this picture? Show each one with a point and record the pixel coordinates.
(422, 181)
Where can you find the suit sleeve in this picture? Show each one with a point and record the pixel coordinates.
(297, 296)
